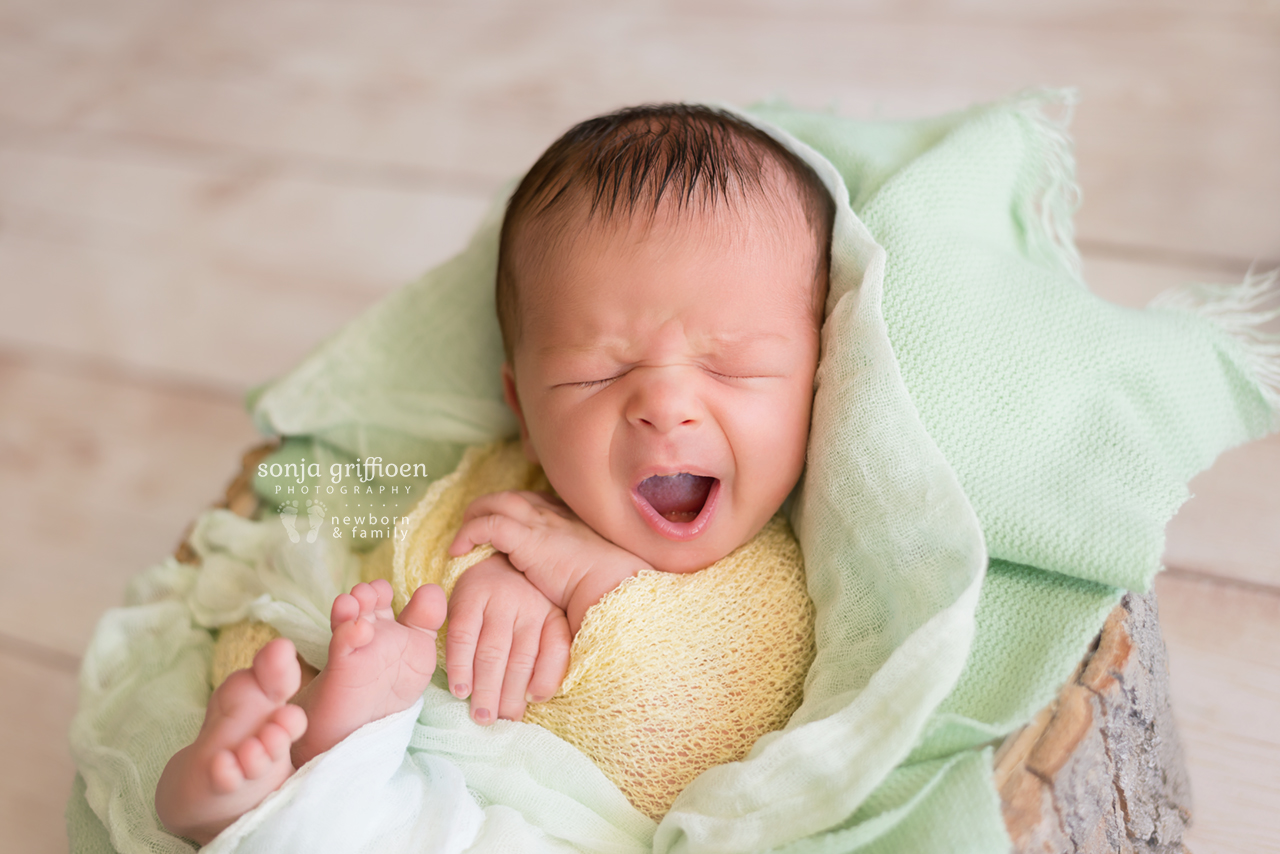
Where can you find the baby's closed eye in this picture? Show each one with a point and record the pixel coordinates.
(594, 383)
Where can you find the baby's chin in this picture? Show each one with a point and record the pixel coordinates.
(725, 530)
(679, 558)
(678, 566)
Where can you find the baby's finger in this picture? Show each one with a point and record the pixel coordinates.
(502, 532)
(546, 501)
(520, 663)
(465, 619)
(509, 503)
(553, 659)
(523, 505)
(490, 667)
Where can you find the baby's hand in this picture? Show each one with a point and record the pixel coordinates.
(570, 563)
(506, 644)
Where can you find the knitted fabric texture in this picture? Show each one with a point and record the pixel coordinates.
(669, 674)
(235, 648)
(422, 538)
(971, 394)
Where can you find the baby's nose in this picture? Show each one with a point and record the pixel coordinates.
(663, 402)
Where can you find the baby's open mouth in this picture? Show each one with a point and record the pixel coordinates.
(676, 497)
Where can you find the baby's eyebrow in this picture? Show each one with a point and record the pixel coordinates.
(731, 342)
(564, 348)
(716, 344)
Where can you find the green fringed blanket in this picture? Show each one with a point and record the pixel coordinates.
(994, 456)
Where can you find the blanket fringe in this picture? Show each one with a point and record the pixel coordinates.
(1053, 202)
(1242, 311)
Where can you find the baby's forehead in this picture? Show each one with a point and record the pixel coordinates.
(572, 233)
(729, 275)
(639, 164)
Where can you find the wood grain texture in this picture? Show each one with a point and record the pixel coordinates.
(1231, 526)
(101, 478)
(1101, 769)
(36, 705)
(1175, 128)
(202, 267)
(1224, 664)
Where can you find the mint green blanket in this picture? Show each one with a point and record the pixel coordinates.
(994, 456)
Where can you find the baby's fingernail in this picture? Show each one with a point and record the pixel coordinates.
(461, 690)
(531, 698)
(481, 716)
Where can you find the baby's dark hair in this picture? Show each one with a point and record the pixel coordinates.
(627, 162)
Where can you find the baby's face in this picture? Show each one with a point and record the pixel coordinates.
(664, 376)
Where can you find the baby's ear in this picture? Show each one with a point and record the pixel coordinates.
(513, 400)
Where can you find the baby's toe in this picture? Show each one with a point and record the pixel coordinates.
(345, 609)
(349, 636)
(225, 774)
(238, 695)
(275, 741)
(426, 609)
(253, 757)
(292, 719)
(367, 596)
(382, 589)
(276, 670)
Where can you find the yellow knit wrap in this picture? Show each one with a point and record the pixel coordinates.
(669, 674)
(236, 646)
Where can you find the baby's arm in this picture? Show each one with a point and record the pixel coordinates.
(506, 644)
(571, 564)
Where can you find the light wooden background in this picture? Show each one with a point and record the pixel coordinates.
(192, 194)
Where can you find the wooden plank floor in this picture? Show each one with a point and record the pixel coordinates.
(194, 194)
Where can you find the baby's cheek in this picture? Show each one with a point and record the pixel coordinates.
(776, 434)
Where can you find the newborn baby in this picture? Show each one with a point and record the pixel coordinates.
(661, 281)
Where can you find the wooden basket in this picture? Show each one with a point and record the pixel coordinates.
(1098, 770)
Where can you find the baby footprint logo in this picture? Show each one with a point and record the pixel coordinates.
(289, 518)
(316, 511)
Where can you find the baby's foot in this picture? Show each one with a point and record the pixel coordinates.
(241, 753)
(289, 518)
(378, 664)
(316, 511)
